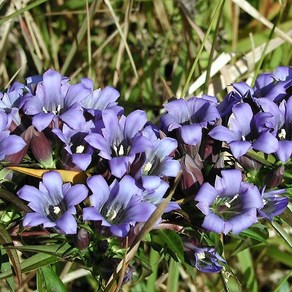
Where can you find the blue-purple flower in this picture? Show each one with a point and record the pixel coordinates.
(204, 259)
(77, 153)
(247, 131)
(117, 206)
(158, 159)
(229, 206)
(274, 203)
(100, 99)
(189, 117)
(55, 98)
(121, 139)
(9, 144)
(53, 203)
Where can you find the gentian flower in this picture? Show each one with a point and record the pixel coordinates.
(229, 206)
(242, 133)
(117, 206)
(100, 99)
(284, 150)
(189, 117)
(272, 86)
(121, 140)
(158, 159)
(53, 203)
(9, 144)
(11, 98)
(55, 98)
(274, 204)
(77, 153)
(204, 259)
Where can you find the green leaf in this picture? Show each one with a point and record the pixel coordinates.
(34, 262)
(284, 283)
(55, 249)
(5, 266)
(282, 233)
(230, 281)
(246, 265)
(6, 240)
(280, 256)
(173, 242)
(48, 280)
(258, 232)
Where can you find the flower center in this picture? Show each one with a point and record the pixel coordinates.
(226, 207)
(54, 212)
(80, 149)
(113, 214)
(282, 134)
(121, 150)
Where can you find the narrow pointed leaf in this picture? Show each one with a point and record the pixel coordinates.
(48, 280)
(6, 240)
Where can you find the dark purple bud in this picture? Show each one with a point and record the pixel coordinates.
(82, 239)
(41, 149)
(249, 162)
(192, 175)
(16, 158)
(276, 177)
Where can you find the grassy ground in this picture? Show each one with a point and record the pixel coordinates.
(151, 50)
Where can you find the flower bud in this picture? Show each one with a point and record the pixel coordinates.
(191, 172)
(275, 178)
(82, 239)
(41, 149)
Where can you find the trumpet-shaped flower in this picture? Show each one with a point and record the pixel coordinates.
(53, 203)
(55, 98)
(246, 131)
(204, 259)
(121, 140)
(158, 161)
(9, 144)
(229, 206)
(117, 206)
(190, 116)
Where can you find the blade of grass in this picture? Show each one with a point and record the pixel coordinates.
(27, 37)
(173, 276)
(80, 36)
(259, 65)
(88, 41)
(211, 54)
(219, 4)
(218, 64)
(283, 281)
(245, 64)
(246, 264)
(108, 4)
(96, 53)
(6, 240)
(122, 44)
(20, 11)
(282, 233)
(247, 7)
(153, 261)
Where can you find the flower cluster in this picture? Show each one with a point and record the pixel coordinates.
(230, 157)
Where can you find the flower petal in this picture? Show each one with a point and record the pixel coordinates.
(67, 223)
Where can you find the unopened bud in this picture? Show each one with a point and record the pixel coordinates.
(82, 239)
